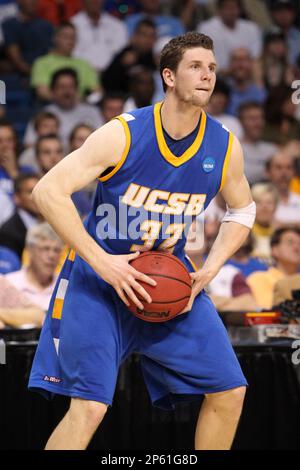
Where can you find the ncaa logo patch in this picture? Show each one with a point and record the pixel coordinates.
(208, 164)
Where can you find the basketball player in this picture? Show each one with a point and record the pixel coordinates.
(170, 159)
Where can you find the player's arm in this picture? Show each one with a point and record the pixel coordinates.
(236, 224)
(52, 194)
(240, 214)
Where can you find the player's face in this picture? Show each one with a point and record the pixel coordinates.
(195, 77)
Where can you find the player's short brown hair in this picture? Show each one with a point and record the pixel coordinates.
(173, 51)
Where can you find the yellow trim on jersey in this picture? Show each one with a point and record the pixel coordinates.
(192, 262)
(226, 160)
(164, 149)
(72, 255)
(125, 153)
(57, 308)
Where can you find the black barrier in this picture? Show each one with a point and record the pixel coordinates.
(270, 418)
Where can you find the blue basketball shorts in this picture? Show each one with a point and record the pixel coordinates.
(88, 333)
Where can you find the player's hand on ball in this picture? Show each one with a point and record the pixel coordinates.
(200, 279)
(124, 278)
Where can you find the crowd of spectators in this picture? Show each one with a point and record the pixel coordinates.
(70, 66)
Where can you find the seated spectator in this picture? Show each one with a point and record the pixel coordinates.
(9, 168)
(141, 86)
(61, 57)
(26, 37)
(228, 290)
(49, 151)
(274, 67)
(241, 81)
(256, 151)
(283, 289)
(285, 248)
(166, 25)
(66, 106)
(37, 280)
(111, 105)
(283, 15)
(16, 309)
(280, 171)
(99, 35)
(281, 123)
(45, 123)
(79, 135)
(13, 231)
(58, 11)
(138, 52)
(217, 108)
(266, 198)
(244, 261)
(229, 31)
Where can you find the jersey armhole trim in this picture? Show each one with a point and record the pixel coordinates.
(125, 152)
(226, 160)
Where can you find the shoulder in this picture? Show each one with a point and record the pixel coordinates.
(15, 277)
(133, 18)
(11, 22)
(248, 25)
(209, 24)
(210, 120)
(79, 19)
(43, 60)
(110, 20)
(10, 26)
(41, 23)
(138, 115)
(260, 276)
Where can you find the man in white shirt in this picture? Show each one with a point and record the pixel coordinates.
(280, 171)
(99, 35)
(37, 281)
(229, 31)
(67, 107)
(257, 151)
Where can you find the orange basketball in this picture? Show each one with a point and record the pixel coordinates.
(173, 289)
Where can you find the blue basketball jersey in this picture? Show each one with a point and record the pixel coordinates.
(151, 197)
(145, 202)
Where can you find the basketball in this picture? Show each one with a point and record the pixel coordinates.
(173, 289)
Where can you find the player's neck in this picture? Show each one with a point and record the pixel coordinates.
(179, 119)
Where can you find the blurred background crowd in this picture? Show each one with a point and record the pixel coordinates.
(69, 66)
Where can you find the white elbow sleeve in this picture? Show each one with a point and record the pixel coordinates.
(244, 216)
